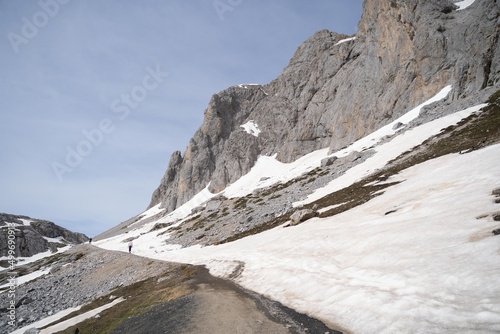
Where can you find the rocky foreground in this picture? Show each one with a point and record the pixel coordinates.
(159, 297)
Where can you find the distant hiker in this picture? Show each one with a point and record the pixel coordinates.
(90, 241)
(77, 331)
(130, 244)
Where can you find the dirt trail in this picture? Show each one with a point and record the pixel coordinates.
(158, 297)
(212, 305)
(219, 306)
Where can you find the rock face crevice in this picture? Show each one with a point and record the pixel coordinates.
(337, 89)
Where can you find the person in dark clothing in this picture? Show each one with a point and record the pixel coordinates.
(130, 244)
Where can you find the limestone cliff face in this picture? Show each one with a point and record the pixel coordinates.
(332, 93)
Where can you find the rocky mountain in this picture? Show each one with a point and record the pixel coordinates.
(398, 232)
(337, 88)
(33, 236)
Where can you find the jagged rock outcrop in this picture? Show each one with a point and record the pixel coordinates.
(332, 93)
(31, 235)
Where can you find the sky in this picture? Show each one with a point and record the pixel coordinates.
(96, 95)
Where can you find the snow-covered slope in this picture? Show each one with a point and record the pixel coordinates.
(419, 258)
(426, 267)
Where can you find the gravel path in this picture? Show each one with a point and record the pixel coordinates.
(160, 297)
(219, 306)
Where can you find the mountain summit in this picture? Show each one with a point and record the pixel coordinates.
(337, 89)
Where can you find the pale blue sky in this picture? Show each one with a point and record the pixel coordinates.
(91, 77)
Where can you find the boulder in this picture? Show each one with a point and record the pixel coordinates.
(328, 161)
(301, 215)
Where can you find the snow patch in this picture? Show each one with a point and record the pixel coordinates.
(247, 85)
(26, 222)
(148, 213)
(55, 240)
(67, 323)
(29, 277)
(251, 127)
(268, 171)
(36, 257)
(345, 40)
(79, 318)
(464, 4)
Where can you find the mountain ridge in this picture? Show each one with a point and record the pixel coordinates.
(32, 236)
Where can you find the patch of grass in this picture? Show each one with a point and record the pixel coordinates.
(312, 179)
(159, 226)
(240, 203)
(323, 173)
(24, 269)
(350, 197)
(257, 229)
(212, 215)
(315, 171)
(258, 200)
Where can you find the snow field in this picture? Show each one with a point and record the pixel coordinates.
(420, 269)
(413, 260)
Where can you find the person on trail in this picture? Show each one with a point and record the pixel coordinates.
(90, 240)
(130, 244)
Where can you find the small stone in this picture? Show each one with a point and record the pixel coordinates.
(32, 331)
(397, 125)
